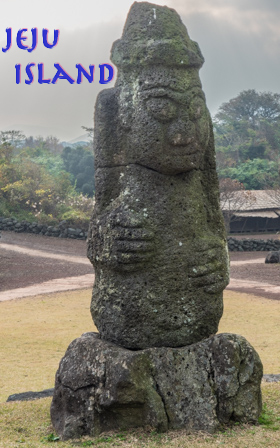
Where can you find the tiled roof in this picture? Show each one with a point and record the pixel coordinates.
(252, 200)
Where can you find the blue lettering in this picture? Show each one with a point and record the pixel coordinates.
(102, 79)
(29, 73)
(20, 38)
(45, 38)
(41, 79)
(18, 73)
(9, 40)
(34, 32)
(82, 71)
(61, 74)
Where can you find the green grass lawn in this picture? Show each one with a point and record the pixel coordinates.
(27, 424)
(35, 333)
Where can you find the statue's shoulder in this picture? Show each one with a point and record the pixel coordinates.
(107, 95)
(106, 105)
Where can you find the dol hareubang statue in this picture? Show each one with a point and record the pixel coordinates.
(157, 238)
(158, 246)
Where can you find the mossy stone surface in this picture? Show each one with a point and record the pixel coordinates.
(158, 245)
(157, 239)
(101, 386)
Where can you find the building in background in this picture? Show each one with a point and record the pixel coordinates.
(251, 211)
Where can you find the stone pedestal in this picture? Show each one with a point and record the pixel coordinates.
(101, 386)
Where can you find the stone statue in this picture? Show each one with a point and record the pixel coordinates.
(158, 245)
(157, 238)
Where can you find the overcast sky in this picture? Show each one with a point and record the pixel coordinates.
(240, 41)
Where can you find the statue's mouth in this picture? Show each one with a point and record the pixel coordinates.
(183, 145)
(180, 140)
(184, 150)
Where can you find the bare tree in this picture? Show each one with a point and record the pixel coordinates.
(274, 198)
(53, 145)
(90, 133)
(9, 140)
(234, 198)
(13, 137)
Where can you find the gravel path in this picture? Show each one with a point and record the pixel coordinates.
(43, 254)
(60, 284)
(32, 265)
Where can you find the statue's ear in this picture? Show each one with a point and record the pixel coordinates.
(208, 160)
(106, 107)
(126, 109)
(106, 127)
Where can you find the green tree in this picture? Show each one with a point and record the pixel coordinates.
(250, 107)
(80, 163)
(8, 142)
(35, 186)
(256, 174)
(247, 134)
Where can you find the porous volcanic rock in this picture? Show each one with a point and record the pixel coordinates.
(158, 245)
(101, 386)
(273, 257)
(157, 239)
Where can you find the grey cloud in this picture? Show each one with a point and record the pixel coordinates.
(241, 45)
(258, 5)
(62, 108)
(238, 38)
(238, 5)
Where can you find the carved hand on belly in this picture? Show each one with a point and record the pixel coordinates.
(210, 271)
(123, 240)
(132, 245)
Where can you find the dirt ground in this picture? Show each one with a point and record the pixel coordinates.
(257, 236)
(28, 261)
(19, 269)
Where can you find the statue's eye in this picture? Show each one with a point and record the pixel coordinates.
(197, 108)
(162, 109)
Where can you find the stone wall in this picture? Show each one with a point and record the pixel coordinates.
(62, 230)
(250, 244)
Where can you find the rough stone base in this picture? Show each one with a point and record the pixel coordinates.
(101, 386)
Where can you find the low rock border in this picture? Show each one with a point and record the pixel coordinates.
(63, 230)
(252, 245)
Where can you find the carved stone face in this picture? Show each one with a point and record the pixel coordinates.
(169, 130)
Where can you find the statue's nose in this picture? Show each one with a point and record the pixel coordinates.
(181, 133)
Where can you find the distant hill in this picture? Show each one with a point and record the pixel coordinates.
(82, 140)
(74, 145)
